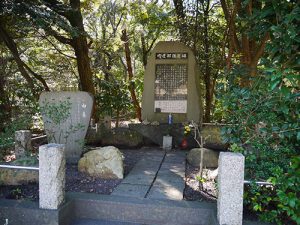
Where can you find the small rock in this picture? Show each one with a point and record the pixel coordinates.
(155, 123)
(145, 122)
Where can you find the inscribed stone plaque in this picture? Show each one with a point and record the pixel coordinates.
(171, 88)
(171, 84)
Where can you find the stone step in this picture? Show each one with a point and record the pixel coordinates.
(100, 222)
(128, 210)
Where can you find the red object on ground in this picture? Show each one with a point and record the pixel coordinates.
(184, 143)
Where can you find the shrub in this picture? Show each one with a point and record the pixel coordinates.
(7, 136)
(265, 127)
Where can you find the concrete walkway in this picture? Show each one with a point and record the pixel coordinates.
(158, 175)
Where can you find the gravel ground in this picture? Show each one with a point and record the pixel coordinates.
(80, 182)
(75, 181)
(193, 190)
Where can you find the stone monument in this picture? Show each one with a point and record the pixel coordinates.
(171, 84)
(66, 117)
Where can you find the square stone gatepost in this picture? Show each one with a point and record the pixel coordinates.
(231, 188)
(22, 142)
(52, 173)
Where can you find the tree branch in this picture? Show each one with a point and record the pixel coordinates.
(58, 36)
(57, 49)
(59, 8)
(260, 50)
(37, 76)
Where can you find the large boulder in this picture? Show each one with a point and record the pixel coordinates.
(210, 157)
(122, 137)
(105, 162)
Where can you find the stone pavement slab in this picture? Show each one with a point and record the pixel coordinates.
(165, 192)
(139, 179)
(169, 179)
(138, 182)
(100, 222)
(143, 171)
(175, 157)
(131, 190)
(179, 174)
(169, 182)
(158, 175)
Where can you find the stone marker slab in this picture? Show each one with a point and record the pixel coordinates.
(22, 142)
(231, 188)
(66, 117)
(52, 173)
(131, 190)
(167, 142)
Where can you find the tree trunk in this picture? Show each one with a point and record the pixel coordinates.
(181, 24)
(80, 45)
(5, 108)
(131, 87)
(83, 65)
(144, 51)
(248, 50)
(207, 73)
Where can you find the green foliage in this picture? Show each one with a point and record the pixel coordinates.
(30, 160)
(265, 127)
(279, 203)
(287, 196)
(200, 179)
(265, 116)
(56, 113)
(285, 46)
(261, 112)
(7, 136)
(114, 98)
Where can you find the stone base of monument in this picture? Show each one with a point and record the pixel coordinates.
(155, 133)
